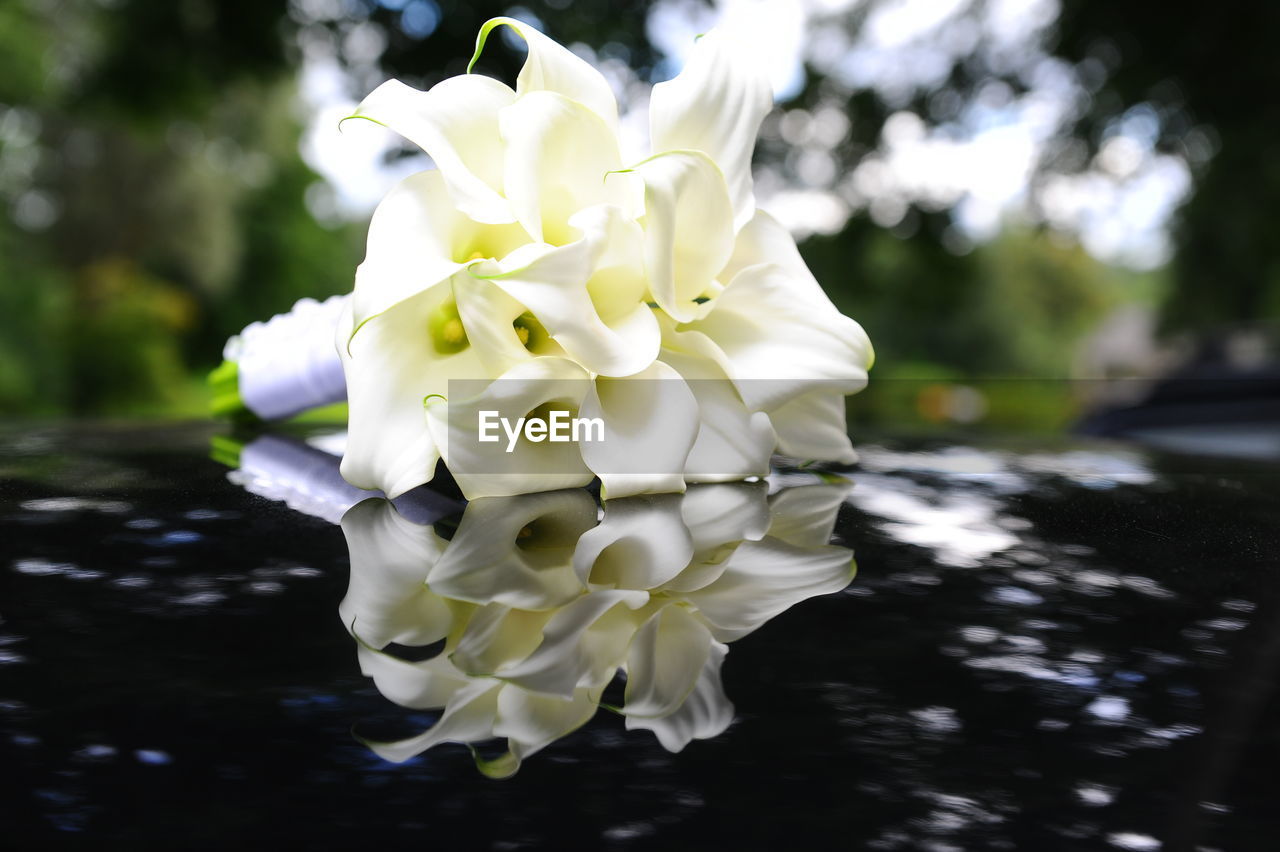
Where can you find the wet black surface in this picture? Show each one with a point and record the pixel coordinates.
(1063, 648)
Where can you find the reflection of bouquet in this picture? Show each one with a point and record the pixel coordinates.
(536, 603)
(538, 606)
(536, 264)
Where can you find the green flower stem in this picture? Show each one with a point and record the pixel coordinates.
(225, 449)
(224, 381)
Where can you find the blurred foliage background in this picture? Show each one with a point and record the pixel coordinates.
(154, 197)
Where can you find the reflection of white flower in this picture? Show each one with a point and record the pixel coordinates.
(532, 252)
(540, 605)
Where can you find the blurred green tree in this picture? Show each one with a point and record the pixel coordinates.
(149, 158)
(1211, 73)
(149, 151)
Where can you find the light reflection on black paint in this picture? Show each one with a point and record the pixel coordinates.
(1057, 649)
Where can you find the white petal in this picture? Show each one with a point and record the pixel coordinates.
(688, 229)
(589, 294)
(641, 543)
(551, 67)
(536, 721)
(391, 366)
(486, 469)
(812, 427)
(777, 346)
(650, 425)
(489, 315)
(666, 658)
(427, 685)
(719, 517)
(498, 636)
(765, 578)
(531, 722)
(409, 245)
(468, 718)
(624, 345)
(387, 598)
(716, 514)
(733, 441)
(517, 551)
(715, 105)
(764, 240)
(417, 238)
(805, 515)
(456, 123)
(705, 713)
(583, 644)
(558, 153)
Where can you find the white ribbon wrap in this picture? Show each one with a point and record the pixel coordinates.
(289, 364)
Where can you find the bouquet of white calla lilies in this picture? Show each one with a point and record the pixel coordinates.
(533, 272)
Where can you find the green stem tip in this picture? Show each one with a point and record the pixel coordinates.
(224, 382)
(226, 450)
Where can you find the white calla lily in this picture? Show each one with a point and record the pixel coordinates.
(456, 124)
(719, 517)
(705, 712)
(498, 637)
(688, 229)
(637, 545)
(733, 440)
(715, 105)
(765, 578)
(468, 717)
(666, 659)
(388, 444)
(532, 676)
(581, 643)
(429, 684)
(417, 239)
(558, 153)
(805, 515)
(727, 512)
(487, 469)
(531, 722)
(550, 67)
(606, 325)
(387, 599)
(812, 426)
(651, 424)
(481, 565)
(777, 347)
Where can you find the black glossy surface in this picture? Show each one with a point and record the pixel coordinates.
(1043, 649)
